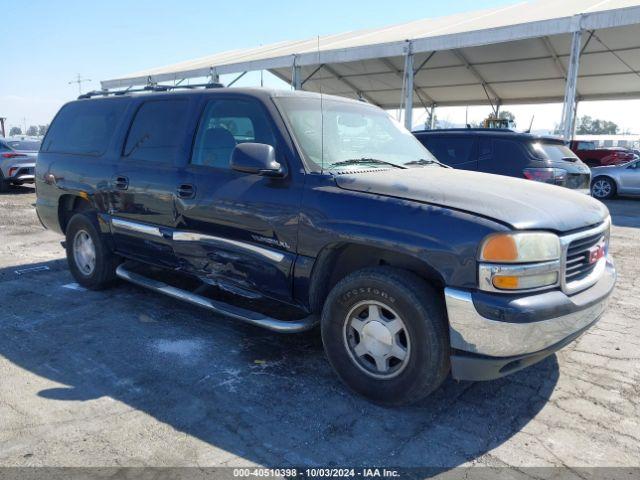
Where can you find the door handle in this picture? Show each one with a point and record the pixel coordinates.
(121, 183)
(186, 191)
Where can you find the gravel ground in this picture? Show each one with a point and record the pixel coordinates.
(126, 377)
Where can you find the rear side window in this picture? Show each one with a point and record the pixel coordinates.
(586, 146)
(25, 145)
(451, 150)
(157, 131)
(507, 151)
(84, 127)
(553, 151)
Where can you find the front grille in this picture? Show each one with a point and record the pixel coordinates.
(578, 265)
(26, 171)
(578, 180)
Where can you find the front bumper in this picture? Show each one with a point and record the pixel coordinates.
(493, 335)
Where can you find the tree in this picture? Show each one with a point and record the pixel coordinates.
(591, 126)
(42, 130)
(15, 131)
(503, 115)
(507, 115)
(32, 131)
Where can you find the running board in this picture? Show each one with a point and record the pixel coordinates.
(237, 313)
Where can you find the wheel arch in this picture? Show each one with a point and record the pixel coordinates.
(338, 260)
(604, 175)
(68, 204)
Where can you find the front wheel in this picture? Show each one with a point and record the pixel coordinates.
(92, 263)
(384, 332)
(603, 188)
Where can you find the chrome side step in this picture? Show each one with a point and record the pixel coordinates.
(237, 313)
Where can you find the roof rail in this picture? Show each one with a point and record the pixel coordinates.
(149, 88)
(466, 130)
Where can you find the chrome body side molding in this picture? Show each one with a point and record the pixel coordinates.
(184, 236)
(136, 227)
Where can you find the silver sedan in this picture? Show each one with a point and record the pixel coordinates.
(607, 182)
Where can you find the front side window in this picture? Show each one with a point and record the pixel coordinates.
(343, 134)
(226, 123)
(157, 131)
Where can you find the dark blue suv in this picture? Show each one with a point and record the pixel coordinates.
(287, 210)
(505, 152)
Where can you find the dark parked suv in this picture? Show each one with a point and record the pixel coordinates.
(504, 152)
(285, 210)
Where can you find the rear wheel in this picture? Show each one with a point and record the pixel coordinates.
(91, 262)
(603, 188)
(384, 332)
(5, 185)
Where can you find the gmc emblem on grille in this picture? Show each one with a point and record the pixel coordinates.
(596, 253)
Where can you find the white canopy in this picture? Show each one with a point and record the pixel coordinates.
(520, 53)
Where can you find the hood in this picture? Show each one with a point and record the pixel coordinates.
(523, 204)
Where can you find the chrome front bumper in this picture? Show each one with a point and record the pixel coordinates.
(472, 333)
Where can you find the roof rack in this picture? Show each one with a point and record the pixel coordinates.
(149, 88)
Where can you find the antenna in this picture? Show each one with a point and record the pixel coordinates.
(531, 124)
(79, 80)
(321, 114)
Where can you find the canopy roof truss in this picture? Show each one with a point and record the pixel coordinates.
(517, 54)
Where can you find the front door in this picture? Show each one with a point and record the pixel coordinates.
(239, 229)
(630, 179)
(148, 179)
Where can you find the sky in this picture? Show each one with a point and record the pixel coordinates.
(47, 43)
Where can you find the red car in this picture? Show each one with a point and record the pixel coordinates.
(599, 157)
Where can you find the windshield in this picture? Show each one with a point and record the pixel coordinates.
(553, 151)
(350, 135)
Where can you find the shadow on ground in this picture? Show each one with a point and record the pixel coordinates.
(268, 398)
(625, 212)
(19, 190)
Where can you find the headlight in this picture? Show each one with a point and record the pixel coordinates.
(522, 247)
(519, 261)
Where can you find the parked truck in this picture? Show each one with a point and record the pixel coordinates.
(288, 210)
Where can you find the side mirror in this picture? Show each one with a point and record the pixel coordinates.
(256, 158)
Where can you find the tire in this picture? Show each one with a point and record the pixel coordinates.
(4, 186)
(603, 188)
(387, 294)
(85, 243)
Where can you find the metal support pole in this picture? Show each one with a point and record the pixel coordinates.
(408, 88)
(213, 76)
(575, 117)
(432, 117)
(296, 77)
(569, 106)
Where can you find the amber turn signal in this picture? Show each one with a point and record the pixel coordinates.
(500, 248)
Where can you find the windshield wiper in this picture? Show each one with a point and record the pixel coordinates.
(427, 161)
(360, 161)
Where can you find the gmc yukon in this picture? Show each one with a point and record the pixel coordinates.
(287, 210)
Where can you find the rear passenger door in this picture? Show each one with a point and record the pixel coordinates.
(455, 151)
(239, 229)
(502, 156)
(149, 179)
